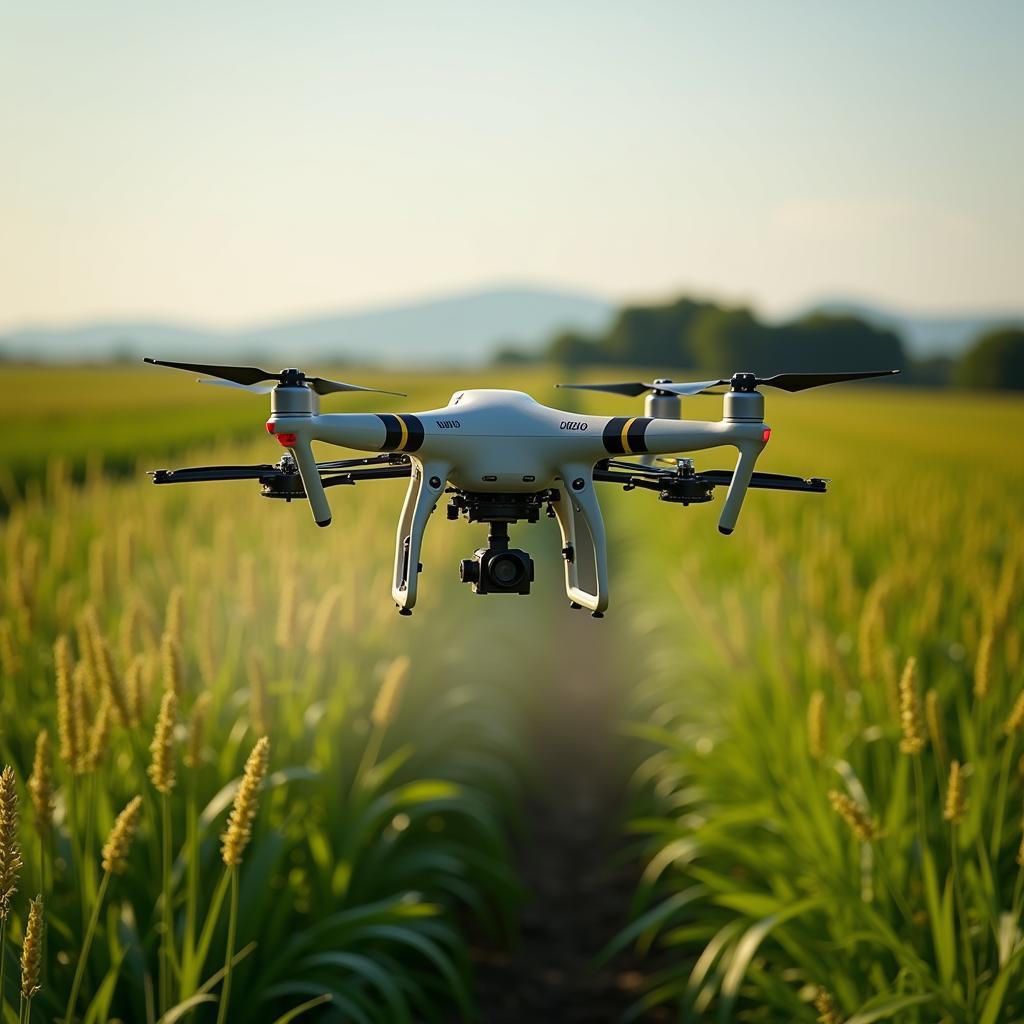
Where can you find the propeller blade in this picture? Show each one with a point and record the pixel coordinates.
(803, 381)
(238, 374)
(635, 388)
(690, 388)
(256, 389)
(785, 381)
(246, 376)
(322, 386)
(632, 389)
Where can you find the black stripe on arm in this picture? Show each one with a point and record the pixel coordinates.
(393, 428)
(636, 434)
(415, 428)
(613, 435)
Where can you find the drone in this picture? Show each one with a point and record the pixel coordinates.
(502, 458)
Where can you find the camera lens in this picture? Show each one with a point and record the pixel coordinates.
(506, 570)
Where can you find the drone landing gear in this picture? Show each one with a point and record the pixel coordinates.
(425, 487)
(583, 540)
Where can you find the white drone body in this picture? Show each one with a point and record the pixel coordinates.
(504, 456)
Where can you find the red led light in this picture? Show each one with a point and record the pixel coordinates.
(287, 440)
(766, 433)
(270, 426)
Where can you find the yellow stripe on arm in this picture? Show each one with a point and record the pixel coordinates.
(626, 450)
(405, 434)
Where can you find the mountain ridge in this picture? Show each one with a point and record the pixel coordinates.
(453, 328)
(460, 327)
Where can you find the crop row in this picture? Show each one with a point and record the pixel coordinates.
(831, 786)
(149, 641)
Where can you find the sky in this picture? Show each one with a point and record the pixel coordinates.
(231, 163)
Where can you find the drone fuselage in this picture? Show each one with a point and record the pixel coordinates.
(506, 441)
(495, 441)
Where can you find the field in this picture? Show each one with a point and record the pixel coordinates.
(800, 746)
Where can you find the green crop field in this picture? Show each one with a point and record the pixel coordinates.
(819, 725)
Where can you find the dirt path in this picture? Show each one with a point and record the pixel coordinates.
(578, 898)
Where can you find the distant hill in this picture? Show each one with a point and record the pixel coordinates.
(924, 335)
(456, 329)
(465, 328)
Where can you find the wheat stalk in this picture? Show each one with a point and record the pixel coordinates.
(10, 858)
(1015, 719)
(99, 736)
(40, 784)
(853, 814)
(910, 710)
(114, 860)
(32, 949)
(816, 725)
(174, 616)
(109, 680)
(323, 617)
(828, 1010)
(983, 666)
(161, 767)
(933, 716)
(956, 796)
(170, 660)
(67, 727)
(236, 836)
(10, 850)
(233, 843)
(122, 835)
(133, 688)
(10, 660)
(385, 707)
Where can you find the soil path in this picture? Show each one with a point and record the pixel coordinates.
(578, 898)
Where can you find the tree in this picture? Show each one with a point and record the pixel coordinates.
(726, 341)
(995, 361)
(571, 348)
(828, 342)
(703, 338)
(656, 336)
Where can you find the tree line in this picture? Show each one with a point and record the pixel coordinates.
(712, 340)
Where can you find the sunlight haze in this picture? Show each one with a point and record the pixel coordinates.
(234, 163)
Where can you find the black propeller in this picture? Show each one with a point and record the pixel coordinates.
(803, 381)
(247, 376)
(635, 388)
(738, 382)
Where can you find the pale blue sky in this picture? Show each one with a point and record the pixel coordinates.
(232, 162)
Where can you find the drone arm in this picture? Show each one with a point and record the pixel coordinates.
(665, 436)
(583, 539)
(366, 432)
(197, 474)
(425, 486)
